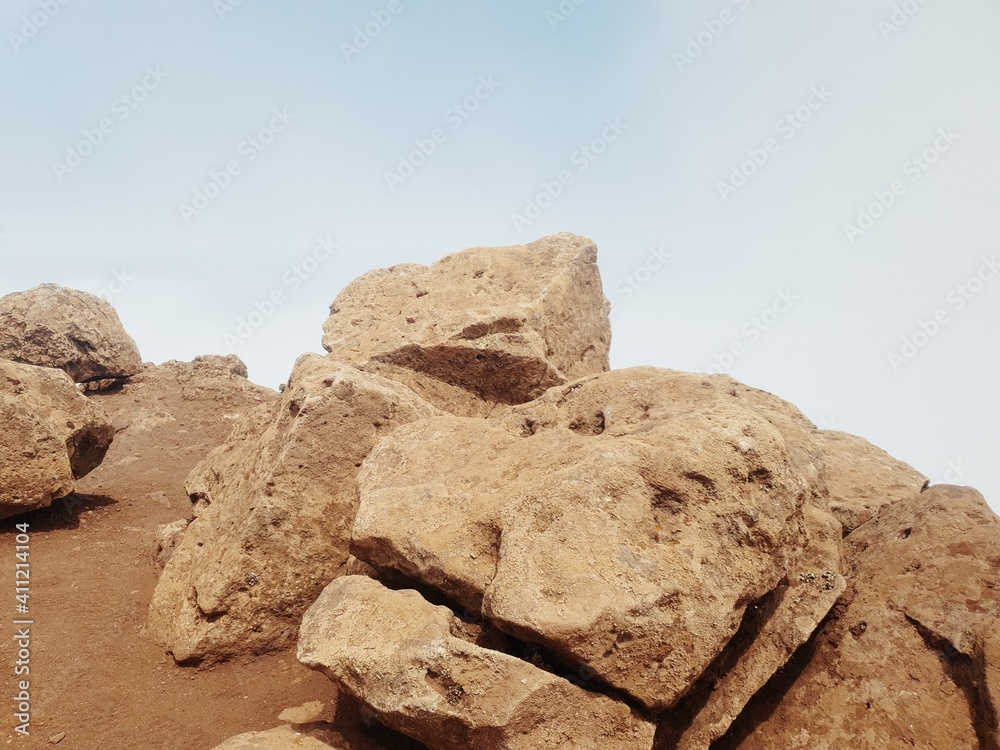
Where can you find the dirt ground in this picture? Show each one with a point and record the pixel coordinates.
(96, 678)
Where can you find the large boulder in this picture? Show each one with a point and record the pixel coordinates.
(626, 522)
(403, 656)
(52, 435)
(51, 326)
(481, 327)
(911, 659)
(863, 478)
(275, 507)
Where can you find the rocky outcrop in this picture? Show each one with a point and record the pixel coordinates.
(401, 654)
(52, 435)
(51, 326)
(910, 660)
(481, 327)
(514, 548)
(626, 522)
(275, 507)
(168, 418)
(862, 478)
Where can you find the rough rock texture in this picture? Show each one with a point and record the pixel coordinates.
(863, 478)
(274, 514)
(52, 435)
(626, 522)
(286, 738)
(480, 327)
(402, 655)
(51, 326)
(911, 659)
(772, 631)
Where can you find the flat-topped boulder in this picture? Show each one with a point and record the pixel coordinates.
(485, 326)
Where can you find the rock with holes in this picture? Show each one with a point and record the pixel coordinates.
(481, 327)
(406, 659)
(275, 507)
(51, 326)
(625, 522)
(910, 660)
(771, 633)
(52, 435)
(863, 478)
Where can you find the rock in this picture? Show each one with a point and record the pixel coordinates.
(309, 713)
(910, 660)
(625, 522)
(863, 478)
(51, 326)
(286, 738)
(168, 536)
(772, 631)
(480, 327)
(52, 435)
(275, 507)
(400, 654)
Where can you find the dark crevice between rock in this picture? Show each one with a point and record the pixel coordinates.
(766, 701)
(360, 726)
(969, 675)
(492, 376)
(674, 722)
(104, 386)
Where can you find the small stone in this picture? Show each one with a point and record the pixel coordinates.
(309, 713)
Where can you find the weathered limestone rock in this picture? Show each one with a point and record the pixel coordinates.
(625, 521)
(911, 659)
(863, 478)
(51, 326)
(52, 435)
(276, 505)
(481, 327)
(400, 655)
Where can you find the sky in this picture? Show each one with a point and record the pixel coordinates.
(801, 195)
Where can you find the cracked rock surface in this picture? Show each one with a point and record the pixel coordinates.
(481, 327)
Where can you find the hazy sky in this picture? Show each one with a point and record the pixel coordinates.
(803, 195)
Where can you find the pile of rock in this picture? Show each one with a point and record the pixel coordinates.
(490, 540)
(50, 339)
(487, 539)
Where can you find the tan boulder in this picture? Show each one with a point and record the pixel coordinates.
(402, 657)
(51, 326)
(910, 661)
(863, 478)
(481, 327)
(625, 521)
(275, 508)
(52, 435)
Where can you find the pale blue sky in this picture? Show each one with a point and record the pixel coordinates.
(885, 95)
